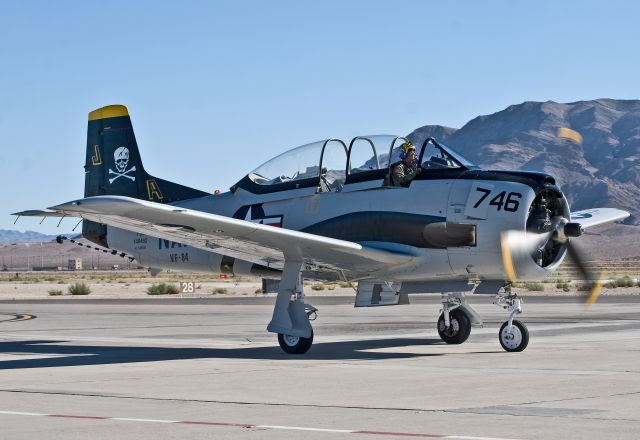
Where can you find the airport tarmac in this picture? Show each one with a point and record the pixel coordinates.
(193, 368)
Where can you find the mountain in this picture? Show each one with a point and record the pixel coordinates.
(601, 170)
(8, 236)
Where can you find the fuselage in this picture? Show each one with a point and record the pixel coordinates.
(450, 220)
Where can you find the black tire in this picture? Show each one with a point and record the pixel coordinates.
(458, 331)
(295, 344)
(517, 340)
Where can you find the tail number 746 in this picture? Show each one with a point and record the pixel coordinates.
(502, 201)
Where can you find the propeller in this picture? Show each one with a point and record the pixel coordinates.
(593, 279)
(519, 247)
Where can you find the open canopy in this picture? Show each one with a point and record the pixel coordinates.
(331, 163)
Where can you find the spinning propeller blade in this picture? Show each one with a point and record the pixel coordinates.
(588, 274)
(518, 247)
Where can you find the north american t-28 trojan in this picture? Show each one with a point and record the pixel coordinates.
(327, 211)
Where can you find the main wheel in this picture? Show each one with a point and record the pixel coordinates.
(458, 331)
(515, 340)
(295, 344)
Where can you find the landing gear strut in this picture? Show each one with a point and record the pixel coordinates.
(513, 334)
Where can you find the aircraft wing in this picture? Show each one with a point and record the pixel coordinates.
(597, 216)
(262, 244)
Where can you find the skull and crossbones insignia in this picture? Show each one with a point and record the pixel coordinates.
(121, 157)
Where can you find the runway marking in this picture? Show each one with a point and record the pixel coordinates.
(251, 426)
(125, 419)
(18, 317)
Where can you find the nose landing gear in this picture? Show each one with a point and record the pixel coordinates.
(513, 334)
(514, 339)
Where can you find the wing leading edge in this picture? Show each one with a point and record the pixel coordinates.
(241, 239)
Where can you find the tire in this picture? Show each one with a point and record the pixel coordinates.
(295, 344)
(517, 340)
(458, 331)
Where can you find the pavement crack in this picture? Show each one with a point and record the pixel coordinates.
(563, 416)
(570, 399)
(228, 402)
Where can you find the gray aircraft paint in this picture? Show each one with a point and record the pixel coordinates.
(301, 209)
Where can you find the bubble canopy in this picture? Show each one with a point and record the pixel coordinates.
(296, 164)
(331, 163)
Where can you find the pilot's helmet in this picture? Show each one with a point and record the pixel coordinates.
(405, 148)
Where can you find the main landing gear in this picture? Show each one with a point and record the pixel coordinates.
(297, 344)
(458, 329)
(291, 316)
(457, 318)
(513, 334)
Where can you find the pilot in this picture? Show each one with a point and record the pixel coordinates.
(404, 172)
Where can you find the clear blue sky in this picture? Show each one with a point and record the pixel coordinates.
(215, 88)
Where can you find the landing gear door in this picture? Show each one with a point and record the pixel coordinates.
(379, 293)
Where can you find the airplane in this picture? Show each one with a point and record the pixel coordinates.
(327, 211)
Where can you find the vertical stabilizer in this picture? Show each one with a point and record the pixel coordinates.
(113, 166)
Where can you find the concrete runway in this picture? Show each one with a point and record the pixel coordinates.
(157, 369)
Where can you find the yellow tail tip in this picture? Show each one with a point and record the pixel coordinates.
(110, 111)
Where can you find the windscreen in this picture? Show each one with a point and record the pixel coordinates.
(299, 163)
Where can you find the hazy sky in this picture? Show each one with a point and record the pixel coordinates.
(215, 88)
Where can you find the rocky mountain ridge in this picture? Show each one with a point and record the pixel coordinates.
(11, 236)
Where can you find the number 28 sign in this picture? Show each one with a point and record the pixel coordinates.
(187, 287)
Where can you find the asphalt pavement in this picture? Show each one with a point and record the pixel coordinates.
(188, 368)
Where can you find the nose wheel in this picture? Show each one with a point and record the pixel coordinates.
(513, 334)
(515, 338)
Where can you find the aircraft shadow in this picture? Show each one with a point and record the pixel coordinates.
(76, 355)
